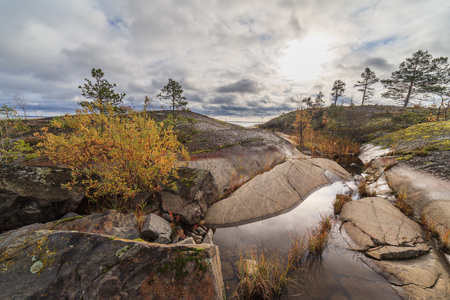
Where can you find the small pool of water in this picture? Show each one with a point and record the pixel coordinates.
(339, 274)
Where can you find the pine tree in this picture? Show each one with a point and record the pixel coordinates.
(414, 78)
(318, 101)
(337, 90)
(173, 93)
(102, 93)
(369, 78)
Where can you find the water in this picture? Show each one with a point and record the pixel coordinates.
(339, 274)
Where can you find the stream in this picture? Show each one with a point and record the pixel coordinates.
(340, 274)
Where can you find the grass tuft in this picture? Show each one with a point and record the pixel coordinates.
(402, 203)
(339, 202)
(263, 276)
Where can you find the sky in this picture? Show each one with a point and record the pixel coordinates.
(235, 60)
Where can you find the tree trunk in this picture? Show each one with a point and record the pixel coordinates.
(409, 94)
(364, 96)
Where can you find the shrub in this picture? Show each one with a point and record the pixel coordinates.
(114, 156)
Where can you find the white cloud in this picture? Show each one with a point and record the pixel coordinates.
(49, 47)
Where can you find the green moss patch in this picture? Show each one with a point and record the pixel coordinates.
(418, 139)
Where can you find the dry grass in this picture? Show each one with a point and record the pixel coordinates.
(364, 190)
(263, 276)
(430, 226)
(339, 202)
(402, 203)
(318, 237)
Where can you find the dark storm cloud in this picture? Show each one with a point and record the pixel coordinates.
(223, 99)
(380, 64)
(243, 86)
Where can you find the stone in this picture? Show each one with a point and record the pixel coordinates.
(156, 227)
(397, 253)
(187, 241)
(190, 213)
(425, 277)
(237, 155)
(397, 247)
(427, 194)
(380, 187)
(167, 217)
(74, 265)
(375, 221)
(200, 231)
(110, 223)
(195, 191)
(208, 239)
(34, 195)
(274, 191)
(70, 215)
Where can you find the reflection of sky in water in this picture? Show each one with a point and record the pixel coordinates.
(339, 274)
(275, 232)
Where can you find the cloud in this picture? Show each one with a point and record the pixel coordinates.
(379, 63)
(242, 86)
(225, 54)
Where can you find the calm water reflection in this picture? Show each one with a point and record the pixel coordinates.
(339, 275)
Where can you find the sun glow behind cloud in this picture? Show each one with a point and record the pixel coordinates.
(303, 60)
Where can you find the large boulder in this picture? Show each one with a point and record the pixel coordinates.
(275, 191)
(235, 156)
(34, 194)
(74, 265)
(429, 196)
(396, 245)
(196, 190)
(379, 229)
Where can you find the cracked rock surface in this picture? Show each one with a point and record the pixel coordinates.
(397, 246)
(48, 264)
(275, 191)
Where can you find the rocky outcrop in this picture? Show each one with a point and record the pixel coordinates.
(111, 223)
(235, 156)
(33, 195)
(196, 190)
(429, 196)
(76, 265)
(397, 246)
(275, 191)
(378, 228)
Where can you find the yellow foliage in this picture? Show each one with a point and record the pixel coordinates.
(115, 155)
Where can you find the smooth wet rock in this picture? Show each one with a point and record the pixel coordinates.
(155, 228)
(374, 221)
(34, 195)
(235, 156)
(274, 191)
(380, 187)
(428, 195)
(426, 277)
(75, 265)
(397, 247)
